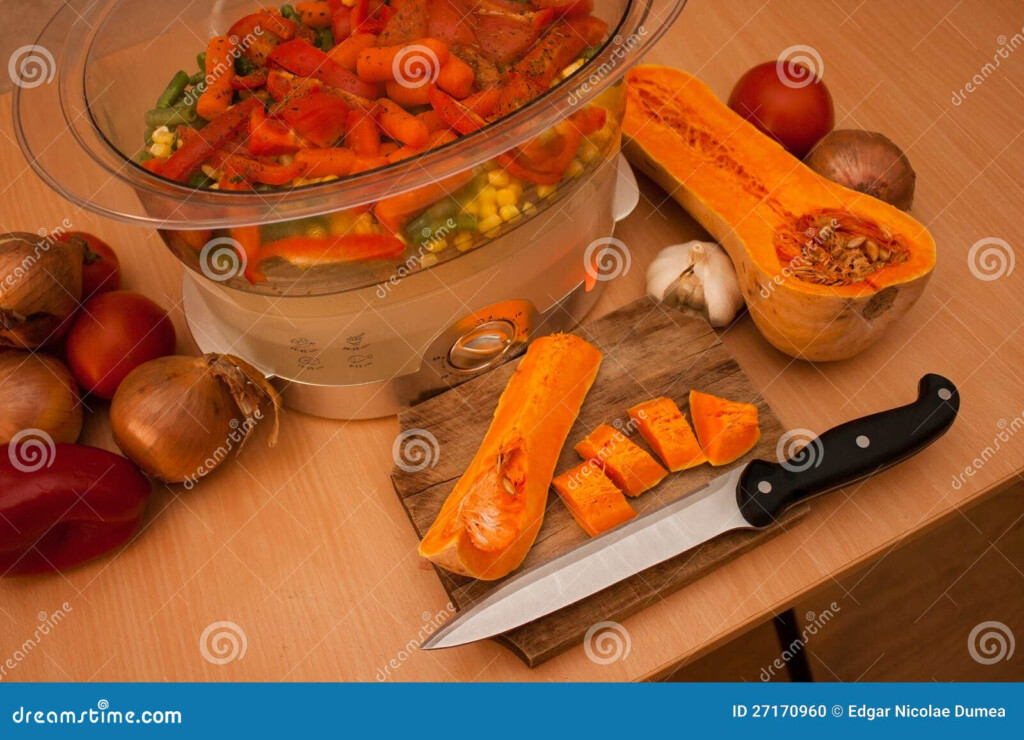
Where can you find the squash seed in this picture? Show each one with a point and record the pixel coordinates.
(856, 241)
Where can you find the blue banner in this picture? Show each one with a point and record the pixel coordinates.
(520, 711)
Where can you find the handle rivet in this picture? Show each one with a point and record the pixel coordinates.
(863, 442)
(945, 394)
(764, 487)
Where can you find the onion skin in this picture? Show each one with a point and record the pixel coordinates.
(867, 162)
(40, 289)
(38, 392)
(178, 418)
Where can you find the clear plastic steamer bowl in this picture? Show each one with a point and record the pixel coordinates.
(80, 122)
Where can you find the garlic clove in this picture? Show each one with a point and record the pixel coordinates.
(665, 270)
(698, 276)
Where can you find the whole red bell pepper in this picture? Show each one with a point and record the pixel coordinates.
(305, 60)
(212, 137)
(70, 505)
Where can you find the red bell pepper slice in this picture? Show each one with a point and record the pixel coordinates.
(328, 250)
(259, 33)
(83, 503)
(370, 16)
(268, 136)
(212, 137)
(317, 116)
(451, 21)
(253, 81)
(341, 20)
(252, 170)
(559, 46)
(305, 60)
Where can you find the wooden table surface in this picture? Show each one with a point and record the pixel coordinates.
(306, 548)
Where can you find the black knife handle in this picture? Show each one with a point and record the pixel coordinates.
(848, 453)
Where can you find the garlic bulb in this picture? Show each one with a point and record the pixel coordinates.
(699, 277)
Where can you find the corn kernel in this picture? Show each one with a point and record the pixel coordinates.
(529, 208)
(498, 178)
(463, 241)
(489, 210)
(488, 196)
(160, 150)
(210, 172)
(546, 191)
(575, 168)
(587, 152)
(568, 71)
(436, 245)
(509, 213)
(428, 260)
(163, 135)
(507, 197)
(517, 188)
(471, 208)
(488, 224)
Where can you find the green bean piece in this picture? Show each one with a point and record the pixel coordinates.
(243, 66)
(199, 180)
(174, 90)
(175, 116)
(197, 79)
(201, 60)
(149, 135)
(289, 12)
(419, 230)
(465, 222)
(324, 39)
(143, 156)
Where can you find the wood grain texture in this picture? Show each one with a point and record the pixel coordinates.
(308, 549)
(649, 351)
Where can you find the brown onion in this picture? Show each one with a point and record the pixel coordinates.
(37, 392)
(40, 288)
(178, 418)
(867, 162)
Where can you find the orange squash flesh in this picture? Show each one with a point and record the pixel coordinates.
(491, 518)
(592, 499)
(629, 466)
(814, 288)
(666, 430)
(727, 430)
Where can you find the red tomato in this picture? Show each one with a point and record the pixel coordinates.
(114, 334)
(787, 102)
(101, 270)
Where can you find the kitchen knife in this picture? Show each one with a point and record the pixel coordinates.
(749, 497)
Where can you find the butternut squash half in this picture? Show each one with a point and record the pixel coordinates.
(491, 518)
(824, 270)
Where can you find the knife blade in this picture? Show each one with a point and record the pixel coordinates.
(751, 496)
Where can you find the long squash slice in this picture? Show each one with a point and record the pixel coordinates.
(492, 516)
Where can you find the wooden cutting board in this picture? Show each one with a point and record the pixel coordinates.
(649, 350)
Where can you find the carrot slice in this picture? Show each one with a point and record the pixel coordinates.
(347, 52)
(314, 14)
(400, 125)
(629, 466)
(665, 428)
(592, 499)
(422, 58)
(409, 94)
(456, 77)
(220, 70)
